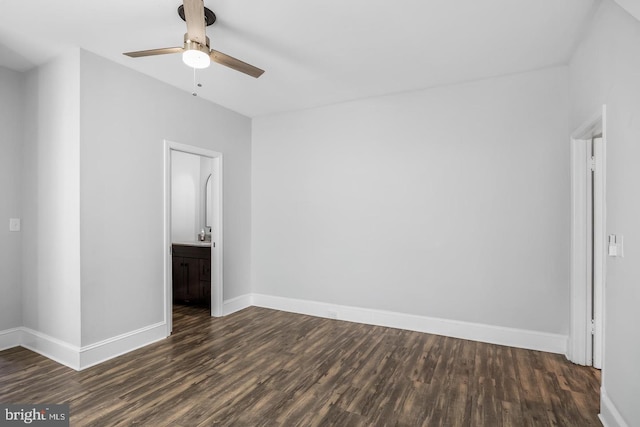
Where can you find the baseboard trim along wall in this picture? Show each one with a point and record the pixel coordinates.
(10, 338)
(532, 340)
(609, 415)
(52, 348)
(79, 358)
(236, 304)
(102, 351)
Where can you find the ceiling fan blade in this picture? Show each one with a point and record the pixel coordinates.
(194, 15)
(151, 52)
(236, 64)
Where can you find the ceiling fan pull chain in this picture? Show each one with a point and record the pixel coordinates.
(194, 93)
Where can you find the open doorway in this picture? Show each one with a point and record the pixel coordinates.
(193, 229)
(588, 211)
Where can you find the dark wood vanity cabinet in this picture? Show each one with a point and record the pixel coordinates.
(191, 274)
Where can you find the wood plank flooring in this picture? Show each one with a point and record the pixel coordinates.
(261, 367)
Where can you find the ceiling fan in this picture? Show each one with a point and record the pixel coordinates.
(196, 51)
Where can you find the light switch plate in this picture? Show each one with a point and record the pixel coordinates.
(14, 224)
(616, 245)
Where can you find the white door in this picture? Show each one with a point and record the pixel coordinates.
(598, 257)
(588, 240)
(594, 213)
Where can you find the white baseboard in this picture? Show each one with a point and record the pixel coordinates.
(236, 304)
(79, 358)
(52, 348)
(609, 414)
(10, 338)
(82, 358)
(532, 340)
(99, 352)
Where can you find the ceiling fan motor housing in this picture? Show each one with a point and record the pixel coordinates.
(196, 55)
(193, 45)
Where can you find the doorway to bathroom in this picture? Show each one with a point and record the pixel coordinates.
(193, 229)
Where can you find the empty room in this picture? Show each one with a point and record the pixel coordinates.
(319, 213)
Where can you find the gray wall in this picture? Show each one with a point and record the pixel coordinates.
(51, 204)
(11, 140)
(451, 202)
(606, 70)
(125, 117)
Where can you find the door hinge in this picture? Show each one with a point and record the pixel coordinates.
(592, 164)
(593, 327)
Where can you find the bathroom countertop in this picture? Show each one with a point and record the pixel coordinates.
(193, 243)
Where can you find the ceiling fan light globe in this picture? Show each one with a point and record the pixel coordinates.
(195, 58)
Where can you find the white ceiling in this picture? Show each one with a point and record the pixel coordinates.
(315, 52)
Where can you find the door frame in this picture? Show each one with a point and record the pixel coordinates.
(217, 288)
(581, 349)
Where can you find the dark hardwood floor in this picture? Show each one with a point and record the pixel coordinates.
(262, 367)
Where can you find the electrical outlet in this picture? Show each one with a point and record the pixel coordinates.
(14, 224)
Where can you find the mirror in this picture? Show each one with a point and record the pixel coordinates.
(208, 204)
